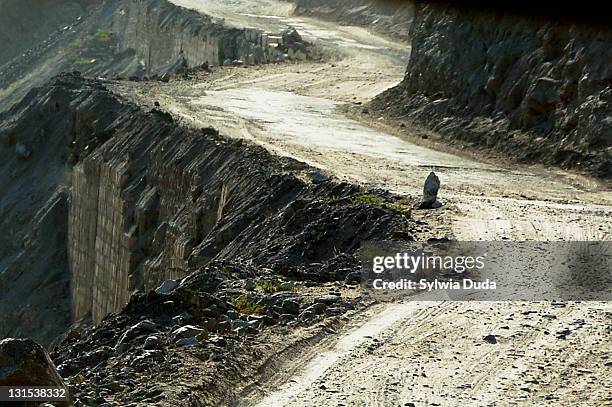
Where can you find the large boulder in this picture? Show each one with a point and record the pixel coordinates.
(23, 362)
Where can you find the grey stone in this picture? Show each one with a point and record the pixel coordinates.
(218, 341)
(145, 326)
(332, 311)
(167, 286)
(22, 151)
(211, 312)
(233, 314)
(329, 299)
(152, 342)
(188, 331)
(187, 342)
(284, 318)
(430, 192)
(249, 285)
(353, 277)
(492, 339)
(211, 324)
(307, 315)
(23, 362)
(318, 177)
(312, 311)
(210, 131)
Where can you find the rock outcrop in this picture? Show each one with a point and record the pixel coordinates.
(150, 200)
(536, 89)
(25, 23)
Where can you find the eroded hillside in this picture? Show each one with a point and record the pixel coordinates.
(25, 23)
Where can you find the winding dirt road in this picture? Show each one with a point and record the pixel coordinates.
(419, 352)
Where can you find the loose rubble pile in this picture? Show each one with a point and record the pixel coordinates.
(214, 314)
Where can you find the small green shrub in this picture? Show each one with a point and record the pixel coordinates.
(104, 36)
(271, 287)
(369, 200)
(380, 202)
(246, 306)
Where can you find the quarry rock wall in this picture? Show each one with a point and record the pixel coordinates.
(136, 199)
(537, 89)
(37, 144)
(162, 34)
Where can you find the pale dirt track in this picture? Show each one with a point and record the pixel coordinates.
(426, 353)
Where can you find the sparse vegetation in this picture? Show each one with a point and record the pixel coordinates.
(271, 287)
(246, 306)
(400, 208)
(373, 200)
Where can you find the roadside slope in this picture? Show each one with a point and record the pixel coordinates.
(532, 89)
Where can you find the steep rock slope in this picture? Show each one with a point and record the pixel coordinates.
(35, 149)
(391, 17)
(538, 89)
(24, 23)
(150, 200)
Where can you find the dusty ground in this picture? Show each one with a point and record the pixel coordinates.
(416, 352)
(433, 354)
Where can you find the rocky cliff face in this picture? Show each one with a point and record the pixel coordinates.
(391, 17)
(535, 88)
(34, 204)
(132, 199)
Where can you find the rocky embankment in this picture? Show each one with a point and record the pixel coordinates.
(142, 38)
(132, 199)
(534, 89)
(389, 17)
